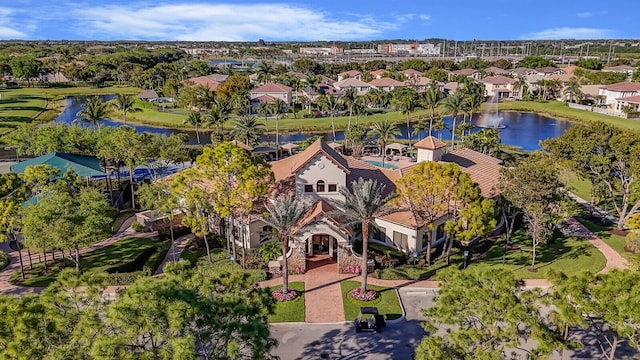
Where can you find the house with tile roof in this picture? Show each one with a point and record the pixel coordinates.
(411, 73)
(361, 87)
(499, 86)
(386, 84)
(351, 74)
(210, 81)
(274, 90)
(472, 73)
(315, 175)
(625, 69)
(616, 91)
(377, 74)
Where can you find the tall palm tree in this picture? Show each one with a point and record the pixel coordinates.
(277, 108)
(454, 104)
(430, 101)
(384, 130)
(439, 125)
(313, 82)
(522, 86)
(474, 102)
(195, 119)
(93, 110)
(329, 103)
(572, 91)
(284, 213)
(265, 70)
(219, 114)
(124, 103)
(364, 202)
(406, 104)
(349, 99)
(248, 129)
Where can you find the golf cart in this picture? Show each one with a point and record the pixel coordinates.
(369, 320)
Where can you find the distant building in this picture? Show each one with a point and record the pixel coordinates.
(332, 50)
(412, 49)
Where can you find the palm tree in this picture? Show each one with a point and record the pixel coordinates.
(313, 82)
(454, 104)
(93, 110)
(219, 114)
(277, 107)
(363, 204)
(474, 102)
(384, 130)
(329, 103)
(439, 125)
(349, 99)
(248, 129)
(124, 103)
(430, 101)
(195, 119)
(406, 104)
(521, 85)
(572, 91)
(284, 213)
(265, 70)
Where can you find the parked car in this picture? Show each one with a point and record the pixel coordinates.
(369, 320)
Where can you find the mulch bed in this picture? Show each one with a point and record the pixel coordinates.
(618, 232)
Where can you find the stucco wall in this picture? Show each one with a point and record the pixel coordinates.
(320, 168)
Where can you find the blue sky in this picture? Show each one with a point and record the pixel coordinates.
(241, 20)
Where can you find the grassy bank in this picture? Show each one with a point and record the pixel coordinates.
(387, 304)
(289, 311)
(560, 110)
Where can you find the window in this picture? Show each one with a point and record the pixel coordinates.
(400, 240)
(320, 186)
(308, 188)
(333, 187)
(380, 234)
(440, 232)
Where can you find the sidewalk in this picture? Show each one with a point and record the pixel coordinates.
(614, 259)
(178, 246)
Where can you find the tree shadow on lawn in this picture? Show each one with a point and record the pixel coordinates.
(592, 338)
(22, 108)
(396, 341)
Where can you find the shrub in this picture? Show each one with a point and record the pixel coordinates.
(280, 297)
(253, 260)
(632, 241)
(153, 262)
(358, 294)
(271, 250)
(124, 278)
(387, 260)
(4, 260)
(139, 227)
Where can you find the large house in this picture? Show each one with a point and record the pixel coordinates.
(386, 84)
(351, 74)
(499, 86)
(361, 87)
(315, 176)
(273, 90)
(615, 94)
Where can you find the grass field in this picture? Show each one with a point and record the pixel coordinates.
(289, 311)
(388, 303)
(570, 255)
(617, 242)
(120, 252)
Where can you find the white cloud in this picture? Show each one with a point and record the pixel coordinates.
(569, 33)
(8, 29)
(425, 17)
(225, 22)
(584, 14)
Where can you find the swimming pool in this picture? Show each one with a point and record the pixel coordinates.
(379, 164)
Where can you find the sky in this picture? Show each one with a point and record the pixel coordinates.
(311, 20)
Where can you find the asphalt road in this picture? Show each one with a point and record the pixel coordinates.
(340, 341)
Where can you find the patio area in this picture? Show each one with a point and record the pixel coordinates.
(391, 161)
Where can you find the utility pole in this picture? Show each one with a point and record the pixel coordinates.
(609, 56)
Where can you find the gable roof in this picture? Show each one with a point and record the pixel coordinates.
(569, 69)
(82, 165)
(498, 80)
(378, 72)
(548, 70)
(148, 94)
(350, 82)
(465, 72)
(521, 71)
(630, 99)
(625, 86)
(385, 82)
(496, 70)
(430, 143)
(207, 81)
(286, 167)
(412, 72)
(350, 73)
(265, 98)
(272, 88)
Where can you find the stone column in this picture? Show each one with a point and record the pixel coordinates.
(297, 261)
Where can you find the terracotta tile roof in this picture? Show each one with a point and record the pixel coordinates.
(451, 86)
(350, 73)
(299, 75)
(406, 218)
(289, 166)
(242, 145)
(563, 77)
(496, 70)
(350, 82)
(569, 69)
(206, 81)
(465, 72)
(386, 82)
(625, 86)
(322, 209)
(430, 143)
(148, 94)
(591, 90)
(483, 169)
(631, 99)
(361, 169)
(378, 72)
(272, 88)
(620, 68)
(548, 70)
(265, 98)
(498, 80)
(521, 71)
(412, 72)
(326, 80)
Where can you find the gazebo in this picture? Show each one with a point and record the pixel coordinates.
(400, 148)
(290, 147)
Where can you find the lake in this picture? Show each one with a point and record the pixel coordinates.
(524, 130)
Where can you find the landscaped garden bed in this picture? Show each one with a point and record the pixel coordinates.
(292, 310)
(125, 254)
(386, 300)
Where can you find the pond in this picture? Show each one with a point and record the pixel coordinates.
(524, 130)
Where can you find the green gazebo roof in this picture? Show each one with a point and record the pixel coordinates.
(82, 165)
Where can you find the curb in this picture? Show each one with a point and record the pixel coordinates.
(404, 313)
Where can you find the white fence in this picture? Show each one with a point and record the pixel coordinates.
(598, 110)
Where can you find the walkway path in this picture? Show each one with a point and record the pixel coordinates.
(614, 259)
(7, 288)
(178, 246)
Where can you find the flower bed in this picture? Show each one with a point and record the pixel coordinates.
(358, 294)
(280, 297)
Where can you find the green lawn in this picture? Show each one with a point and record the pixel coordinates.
(570, 255)
(121, 218)
(289, 311)
(121, 252)
(388, 303)
(559, 109)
